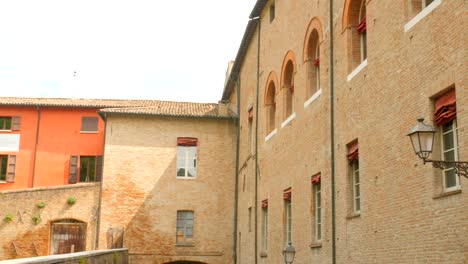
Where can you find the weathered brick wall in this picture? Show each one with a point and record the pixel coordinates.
(402, 219)
(32, 239)
(141, 193)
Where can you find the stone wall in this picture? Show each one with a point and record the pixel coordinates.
(28, 232)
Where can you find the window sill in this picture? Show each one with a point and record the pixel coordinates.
(426, 11)
(357, 70)
(263, 254)
(271, 135)
(185, 245)
(288, 120)
(185, 178)
(3, 182)
(313, 98)
(353, 215)
(89, 132)
(5, 130)
(315, 245)
(445, 194)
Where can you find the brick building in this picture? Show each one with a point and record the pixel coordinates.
(168, 182)
(324, 160)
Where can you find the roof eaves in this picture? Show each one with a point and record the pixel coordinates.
(258, 8)
(106, 113)
(246, 39)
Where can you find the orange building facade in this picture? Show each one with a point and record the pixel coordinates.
(42, 146)
(51, 142)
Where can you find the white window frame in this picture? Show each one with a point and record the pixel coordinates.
(454, 132)
(186, 220)
(186, 158)
(356, 185)
(288, 222)
(265, 229)
(318, 208)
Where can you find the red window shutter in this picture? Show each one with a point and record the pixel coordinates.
(446, 108)
(265, 204)
(287, 195)
(362, 27)
(10, 177)
(250, 114)
(353, 151)
(73, 172)
(186, 141)
(316, 179)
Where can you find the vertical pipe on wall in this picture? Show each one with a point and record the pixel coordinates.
(332, 134)
(98, 211)
(35, 146)
(236, 187)
(256, 140)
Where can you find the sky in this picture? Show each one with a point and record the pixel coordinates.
(119, 49)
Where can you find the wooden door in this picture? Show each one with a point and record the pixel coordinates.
(67, 237)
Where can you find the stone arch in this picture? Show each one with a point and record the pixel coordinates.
(314, 24)
(288, 70)
(271, 89)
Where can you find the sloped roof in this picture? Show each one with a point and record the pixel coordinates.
(71, 102)
(176, 109)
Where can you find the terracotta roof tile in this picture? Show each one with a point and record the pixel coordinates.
(135, 107)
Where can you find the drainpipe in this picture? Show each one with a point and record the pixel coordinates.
(332, 134)
(256, 141)
(236, 187)
(35, 146)
(98, 213)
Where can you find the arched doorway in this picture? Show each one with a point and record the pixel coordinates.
(67, 236)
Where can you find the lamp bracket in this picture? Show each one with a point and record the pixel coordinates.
(461, 167)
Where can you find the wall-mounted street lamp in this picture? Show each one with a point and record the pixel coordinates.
(422, 138)
(289, 252)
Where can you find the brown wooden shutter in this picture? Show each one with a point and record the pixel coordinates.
(16, 123)
(99, 168)
(11, 168)
(73, 173)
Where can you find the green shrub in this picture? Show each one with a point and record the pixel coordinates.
(71, 200)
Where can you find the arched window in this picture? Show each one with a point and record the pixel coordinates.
(287, 84)
(354, 21)
(270, 107)
(313, 64)
(288, 88)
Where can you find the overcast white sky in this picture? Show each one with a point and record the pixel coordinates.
(148, 49)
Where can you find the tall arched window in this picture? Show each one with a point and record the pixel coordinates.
(313, 64)
(354, 21)
(270, 107)
(288, 87)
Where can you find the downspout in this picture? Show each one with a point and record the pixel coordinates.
(98, 220)
(332, 133)
(236, 187)
(256, 141)
(35, 146)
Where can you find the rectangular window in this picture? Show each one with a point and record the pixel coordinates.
(87, 168)
(265, 225)
(89, 124)
(187, 157)
(272, 11)
(317, 202)
(450, 153)
(356, 186)
(5, 122)
(354, 178)
(250, 219)
(184, 230)
(251, 134)
(3, 167)
(287, 196)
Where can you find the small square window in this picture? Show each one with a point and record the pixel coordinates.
(89, 124)
(5, 122)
